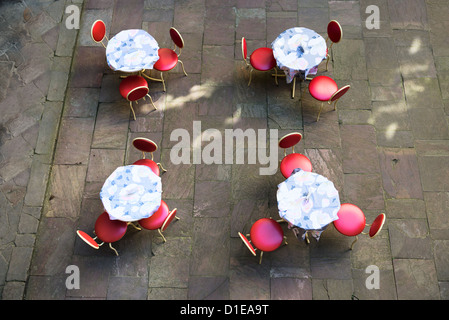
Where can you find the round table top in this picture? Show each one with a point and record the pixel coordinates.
(132, 50)
(308, 200)
(298, 50)
(131, 193)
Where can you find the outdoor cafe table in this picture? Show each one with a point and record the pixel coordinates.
(131, 193)
(309, 201)
(298, 51)
(132, 50)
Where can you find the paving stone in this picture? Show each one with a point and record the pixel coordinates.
(74, 141)
(208, 288)
(419, 120)
(434, 173)
(416, 279)
(210, 257)
(81, 102)
(436, 204)
(395, 139)
(390, 116)
(441, 259)
(330, 289)
(364, 190)
(211, 199)
(127, 288)
(291, 289)
(408, 16)
(315, 18)
(172, 272)
(359, 149)
(217, 68)
(409, 238)
(248, 278)
(88, 66)
(46, 288)
(387, 286)
(400, 173)
(405, 208)
(102, 163)
(380, 53)
(111, 127)
(64, 198)
(348, 58)
(122, 12)
(416, 64)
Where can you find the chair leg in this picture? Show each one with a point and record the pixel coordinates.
(285, 240)
(110, 246)
(131, 106)
(160, 232)
(151, 99)
(307, 238)
(294, 87)
(356, 238)
(163, 82)
(321, 108)
(182, 65)
(135, 227)
(327, 62)
(250, 74)
(163, 169)
(276, 76)
(260, 259)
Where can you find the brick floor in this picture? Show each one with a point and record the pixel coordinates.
(64, 128)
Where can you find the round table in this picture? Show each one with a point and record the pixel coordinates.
(131, 51)
(298, 51)
(309, 201)
(131, 193)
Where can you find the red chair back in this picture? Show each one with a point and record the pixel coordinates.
(377, 225)
(109, 230)
(98, 30)
(247, 243)
(144, 145)
(244, 49)
(176, 38)
(340, 92)
(169, 219)
(266, 234)
(334, 31)
(290, 140)
(351, 220)
(157, 219)
(88, 239)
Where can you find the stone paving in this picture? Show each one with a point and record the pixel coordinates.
(64, 128)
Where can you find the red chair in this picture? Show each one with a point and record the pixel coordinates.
(134, 88)
(98, 32)
(294, 160)
(107, 230)
(261, 59)
(160, 220)
(351, 222)
(334, 34)
(147, 145)
(324, 89)
(266, 235)
(168, 58)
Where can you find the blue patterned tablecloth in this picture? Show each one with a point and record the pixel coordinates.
(132, 50)
(308, 200)
(131, 193)
(298, 51)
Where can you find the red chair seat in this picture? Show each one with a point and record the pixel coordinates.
(109, 230)
(266, 234)
(133, 88)
(293, 161)
(157, 219)
(167, 60)
(351, 220)
(322, 88)
(262, 59)
(149, 163)
(290, 140)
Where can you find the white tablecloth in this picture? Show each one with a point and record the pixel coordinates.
(131, 51)
(131, 193)
(298, 51)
